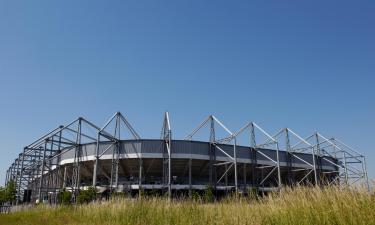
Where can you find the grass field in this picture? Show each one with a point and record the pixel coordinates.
(301, 205)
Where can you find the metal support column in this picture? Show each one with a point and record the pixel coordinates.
(20, 178)
(278, 166)
(288, 156)
(319, 159)
(64, 178)
(42, 171)
(244, 176)
(190, 177)
(346, 170)
(314, 166)
(140, 176)
(212, 154)
(166, 136)
(6, 177)
(95, 172)
(364, 168)
(76, 165)
(235, 165)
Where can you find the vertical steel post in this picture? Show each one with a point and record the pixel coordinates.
(346, 170)
(278, 165)
(9, 174)
(42, 171)
(252, 136)
(190, 180)
(118, 150)
(13, 171)
(235, 165)
(6, 177)
(140, 173)
(33, 176)
(364, 168)
(64, 179)
(244, 176)
(76, 165)
(318, 153)
(21, 175)
(58, 162)
(169, 165)
(17, 177)
(226, 177)
(287, 140)
(95, 172)
(50, 174)
(212, 153)
(314, 166)
(167, 138)
(253, 155)
(140, 176)
(14, 174)
(288, 156)
(114, 165)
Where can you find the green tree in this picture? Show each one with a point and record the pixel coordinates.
(10, 191)
(2, 195)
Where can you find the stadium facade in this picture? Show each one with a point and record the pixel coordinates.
(114, 158)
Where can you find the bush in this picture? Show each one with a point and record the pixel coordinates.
(195, 196)
(64, 197)
(86, 196)
(153, 193)
(253, 193)
(208, 195)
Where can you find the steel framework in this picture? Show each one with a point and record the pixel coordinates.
(39, 167)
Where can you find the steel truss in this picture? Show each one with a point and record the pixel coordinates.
(114, 136)
(39, 165)
(351, 165)
(255, 148)
(214, 145)
(287, 136)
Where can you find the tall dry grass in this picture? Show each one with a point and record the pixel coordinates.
(300, 205)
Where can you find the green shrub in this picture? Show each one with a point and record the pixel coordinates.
(208, 195)
(86, 196)
(153, 193)
(253, 193)
(195, 196)
(64, 197)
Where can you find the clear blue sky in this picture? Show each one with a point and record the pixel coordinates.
(307, 65)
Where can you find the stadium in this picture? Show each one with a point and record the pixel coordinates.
(114, 158)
